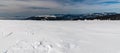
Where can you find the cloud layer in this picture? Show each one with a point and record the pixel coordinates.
(36, 7)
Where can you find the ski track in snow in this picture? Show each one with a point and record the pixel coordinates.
(59, 36)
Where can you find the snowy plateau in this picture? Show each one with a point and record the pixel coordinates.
(27, 36)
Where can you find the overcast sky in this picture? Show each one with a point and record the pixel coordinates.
(36, 7)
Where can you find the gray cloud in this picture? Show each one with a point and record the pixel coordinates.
(36, 7)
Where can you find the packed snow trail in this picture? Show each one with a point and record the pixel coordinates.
(20, 36)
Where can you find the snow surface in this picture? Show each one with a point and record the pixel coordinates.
(59, 36)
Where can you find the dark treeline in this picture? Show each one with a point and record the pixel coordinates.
(70, 17)
(106, 17)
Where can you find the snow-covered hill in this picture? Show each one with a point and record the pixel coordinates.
(59, 36)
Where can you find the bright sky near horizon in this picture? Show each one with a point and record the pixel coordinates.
(36, 7)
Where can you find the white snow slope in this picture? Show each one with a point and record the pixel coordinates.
(59, 36)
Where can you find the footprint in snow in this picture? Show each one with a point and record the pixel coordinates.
(40, 47)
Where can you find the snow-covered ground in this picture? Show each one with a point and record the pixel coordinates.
(59, 36)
